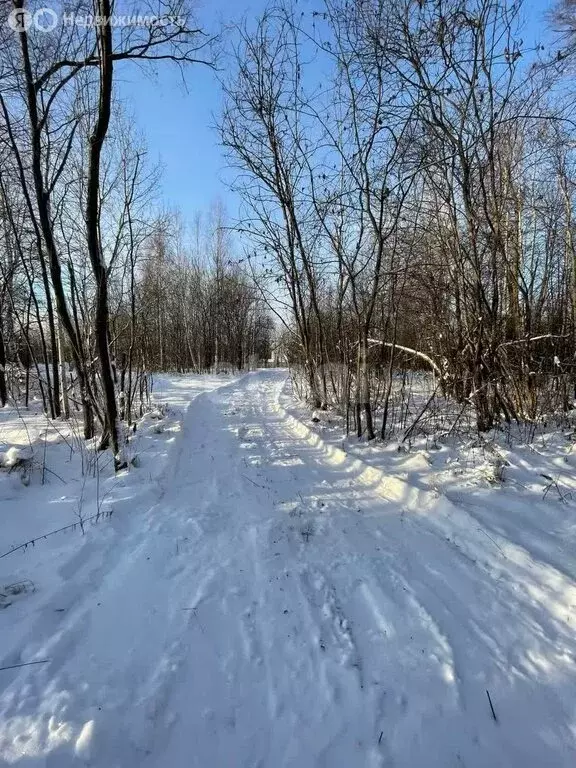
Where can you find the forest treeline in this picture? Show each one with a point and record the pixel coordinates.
(407, 172)
(97, 289)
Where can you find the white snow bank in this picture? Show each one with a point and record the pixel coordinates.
(14, 456)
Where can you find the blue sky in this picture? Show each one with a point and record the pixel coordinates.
(177, 121)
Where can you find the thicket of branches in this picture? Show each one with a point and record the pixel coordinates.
(96, 290)
(407, 174)
(196, 309)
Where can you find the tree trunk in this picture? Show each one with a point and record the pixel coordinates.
(364, 384)
(104, 35)
(63, 375)
(3, 389)
(43, 204)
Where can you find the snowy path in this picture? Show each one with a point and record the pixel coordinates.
(275, 608)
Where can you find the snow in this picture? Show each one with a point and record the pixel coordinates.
(12, 457)
(267, 594)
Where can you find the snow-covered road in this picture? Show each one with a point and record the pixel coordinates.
(279, 604)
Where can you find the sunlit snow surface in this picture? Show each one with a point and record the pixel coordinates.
(265, 594)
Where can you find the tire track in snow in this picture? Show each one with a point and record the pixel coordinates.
(334, 636)
(451, 621)
(454, 624)
(501, 561)
(413, 630)
(438, 603)
(85, 616)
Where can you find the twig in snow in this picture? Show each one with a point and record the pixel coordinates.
(491, 706)
(422, 412)
(44, 456)
(25, 664)
(553, 483)
(57, 476)
(493, 542)
(253, 483)
(73, 526)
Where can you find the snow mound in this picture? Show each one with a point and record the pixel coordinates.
(14, 456)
